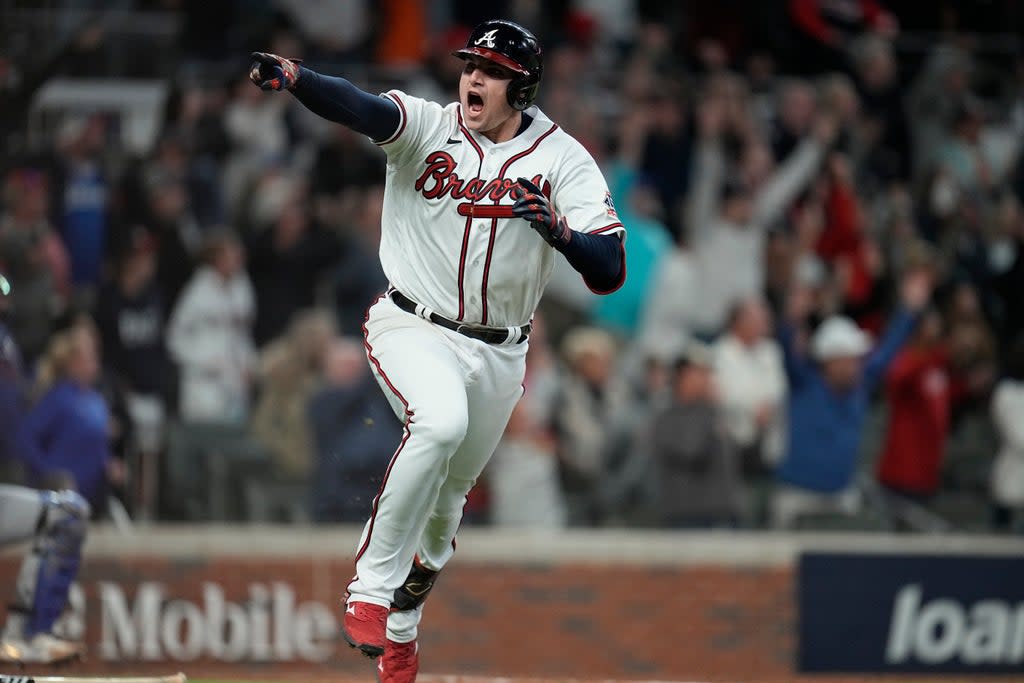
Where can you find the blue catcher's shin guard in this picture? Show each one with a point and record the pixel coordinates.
(51, 566)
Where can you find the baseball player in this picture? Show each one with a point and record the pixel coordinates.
(54, 520)
(447, 341)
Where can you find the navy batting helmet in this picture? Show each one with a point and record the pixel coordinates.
(513, 47)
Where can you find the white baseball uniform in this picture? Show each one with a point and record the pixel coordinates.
(450, 243)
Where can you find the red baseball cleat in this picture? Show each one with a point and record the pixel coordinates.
(399, 664)
(365, 627)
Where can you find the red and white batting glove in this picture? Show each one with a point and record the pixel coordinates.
(533, 206)
(271, 72)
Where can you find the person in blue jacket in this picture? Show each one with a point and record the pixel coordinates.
(64, 438)
(830, 393)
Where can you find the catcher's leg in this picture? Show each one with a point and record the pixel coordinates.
(57, 520)
(20, 508)
(493, 396)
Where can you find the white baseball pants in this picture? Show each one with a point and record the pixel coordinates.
(455, 396)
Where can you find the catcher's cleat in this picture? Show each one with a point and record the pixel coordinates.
(42, 648)
(399, 664)
(417, 586)
(365, 627)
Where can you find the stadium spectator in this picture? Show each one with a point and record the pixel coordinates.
(796, 110)
(667, 322)
(649, 241)
(258, 133)
(976, 155)
(942, 82)
(919, 391)
(200, 120)
(1007, 482)
(883, 122)
(65, 436)
(640, 208)
(972, 348)
(1009, 280)
(824, 29)
(81, 194)
(354, 431)
(294, 251)
(357, 278)
(131, 316)
(210, 336)
(336, 31)
(290, 370)
(522, 475)
(830, 388)
(849, 250)
(695, 478)
(345, 161)
(668, 145)
(591, 421)
(175, 161)
(751, 381)
(34, 257)
(178, 238)
(801, 262)
(727, 216)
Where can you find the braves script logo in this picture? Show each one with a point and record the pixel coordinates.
(439, 179)
(487, 39)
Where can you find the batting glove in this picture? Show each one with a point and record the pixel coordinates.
(271, 72)
(533, 206)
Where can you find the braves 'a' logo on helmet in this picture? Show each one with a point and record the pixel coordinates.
(513, 47)
(487, 39)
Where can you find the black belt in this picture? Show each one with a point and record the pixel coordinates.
(488, 335)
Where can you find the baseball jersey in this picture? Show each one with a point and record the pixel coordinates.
(449, 239)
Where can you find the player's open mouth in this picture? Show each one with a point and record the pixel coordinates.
(475, 103)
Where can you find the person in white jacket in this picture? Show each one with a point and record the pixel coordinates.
(728, 214)
(1008, 470)
(752, 384)
(751, 378)
(210, 337)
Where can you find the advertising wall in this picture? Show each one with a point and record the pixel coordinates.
(926, 613)
(236, 604)
(238, 618)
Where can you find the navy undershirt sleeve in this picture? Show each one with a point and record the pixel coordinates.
(336, 99)
(599, 259)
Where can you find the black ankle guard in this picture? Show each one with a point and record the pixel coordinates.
(416, 588)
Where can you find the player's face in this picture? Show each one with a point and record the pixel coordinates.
(482, 89)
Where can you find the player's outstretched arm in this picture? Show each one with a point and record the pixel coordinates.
(600, 259)
(335, 99)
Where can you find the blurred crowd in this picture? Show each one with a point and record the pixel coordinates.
(822, 324)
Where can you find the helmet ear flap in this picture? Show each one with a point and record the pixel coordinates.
(522, 91)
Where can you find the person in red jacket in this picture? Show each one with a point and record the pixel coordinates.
(918, 391)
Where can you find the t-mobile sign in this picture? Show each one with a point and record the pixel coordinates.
(917, 613)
